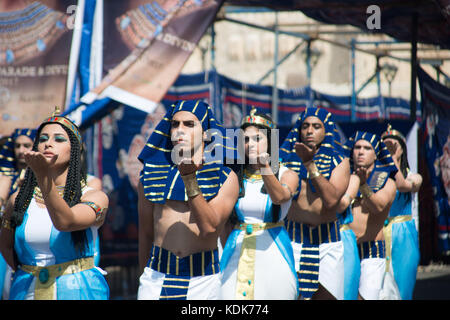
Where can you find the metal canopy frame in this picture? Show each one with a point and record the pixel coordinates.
(353, 46)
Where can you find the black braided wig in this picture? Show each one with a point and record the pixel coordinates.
(404, 165)
(72, 190)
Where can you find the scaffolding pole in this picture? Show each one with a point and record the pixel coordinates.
(413, 99)
(275, 62)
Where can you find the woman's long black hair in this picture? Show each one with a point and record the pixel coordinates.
(72, 190)
(404, 165)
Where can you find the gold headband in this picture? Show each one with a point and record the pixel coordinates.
(255, 119)
(57, 118)
(392, 133)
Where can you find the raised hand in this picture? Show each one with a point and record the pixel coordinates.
(391, 145)
(188, 166)
(304, 152)
(263, 160)
(39, 163)
(363, 174)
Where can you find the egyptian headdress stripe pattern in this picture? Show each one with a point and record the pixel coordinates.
(330, 153)
(7, 160)
(160, 176)
(384, 164)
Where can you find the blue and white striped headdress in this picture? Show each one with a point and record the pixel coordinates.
(384, 165)
(330, 153)
(7, 158)
(160, 176)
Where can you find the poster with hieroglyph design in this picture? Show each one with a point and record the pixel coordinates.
(35, 39)
(152, 42)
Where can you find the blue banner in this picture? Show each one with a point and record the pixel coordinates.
(436, 145)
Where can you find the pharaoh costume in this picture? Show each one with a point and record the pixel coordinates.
(257, 261)
(168, 276)
(375, 272)
(402, 240)
(50, 267)
(318, 251)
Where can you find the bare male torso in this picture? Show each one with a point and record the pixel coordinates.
(367, 226)
(176, 230)
(308, 208)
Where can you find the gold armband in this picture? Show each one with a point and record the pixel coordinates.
(289, 189)
(366, 191)
(191, 185)
(97, 209)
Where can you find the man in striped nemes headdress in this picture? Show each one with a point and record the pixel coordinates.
(185, 197)
(312, 149)
(367, 201)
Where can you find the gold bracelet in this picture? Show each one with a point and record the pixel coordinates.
(6, 223)
(366, 191)
(314, 173)
(191, 185)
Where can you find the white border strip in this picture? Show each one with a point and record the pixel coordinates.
(74, 51)
(129, 99)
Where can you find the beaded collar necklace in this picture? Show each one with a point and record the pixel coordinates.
(255, 176)
(37, 194)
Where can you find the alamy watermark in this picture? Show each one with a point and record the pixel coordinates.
(374, 20)
(230, 149)
(71, 12)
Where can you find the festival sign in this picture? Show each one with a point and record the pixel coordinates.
(161, 36)
(35, 40)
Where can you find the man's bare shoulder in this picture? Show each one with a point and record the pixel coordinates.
(231, 180)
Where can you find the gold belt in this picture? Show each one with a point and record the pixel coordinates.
(245, 285)
(345, 227)
(249, 228)
(399, 219)
(387, 232)
(46, 276)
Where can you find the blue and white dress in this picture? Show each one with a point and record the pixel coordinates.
(402, 236)
(257, 261)
(352, 269)
(49, 265)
